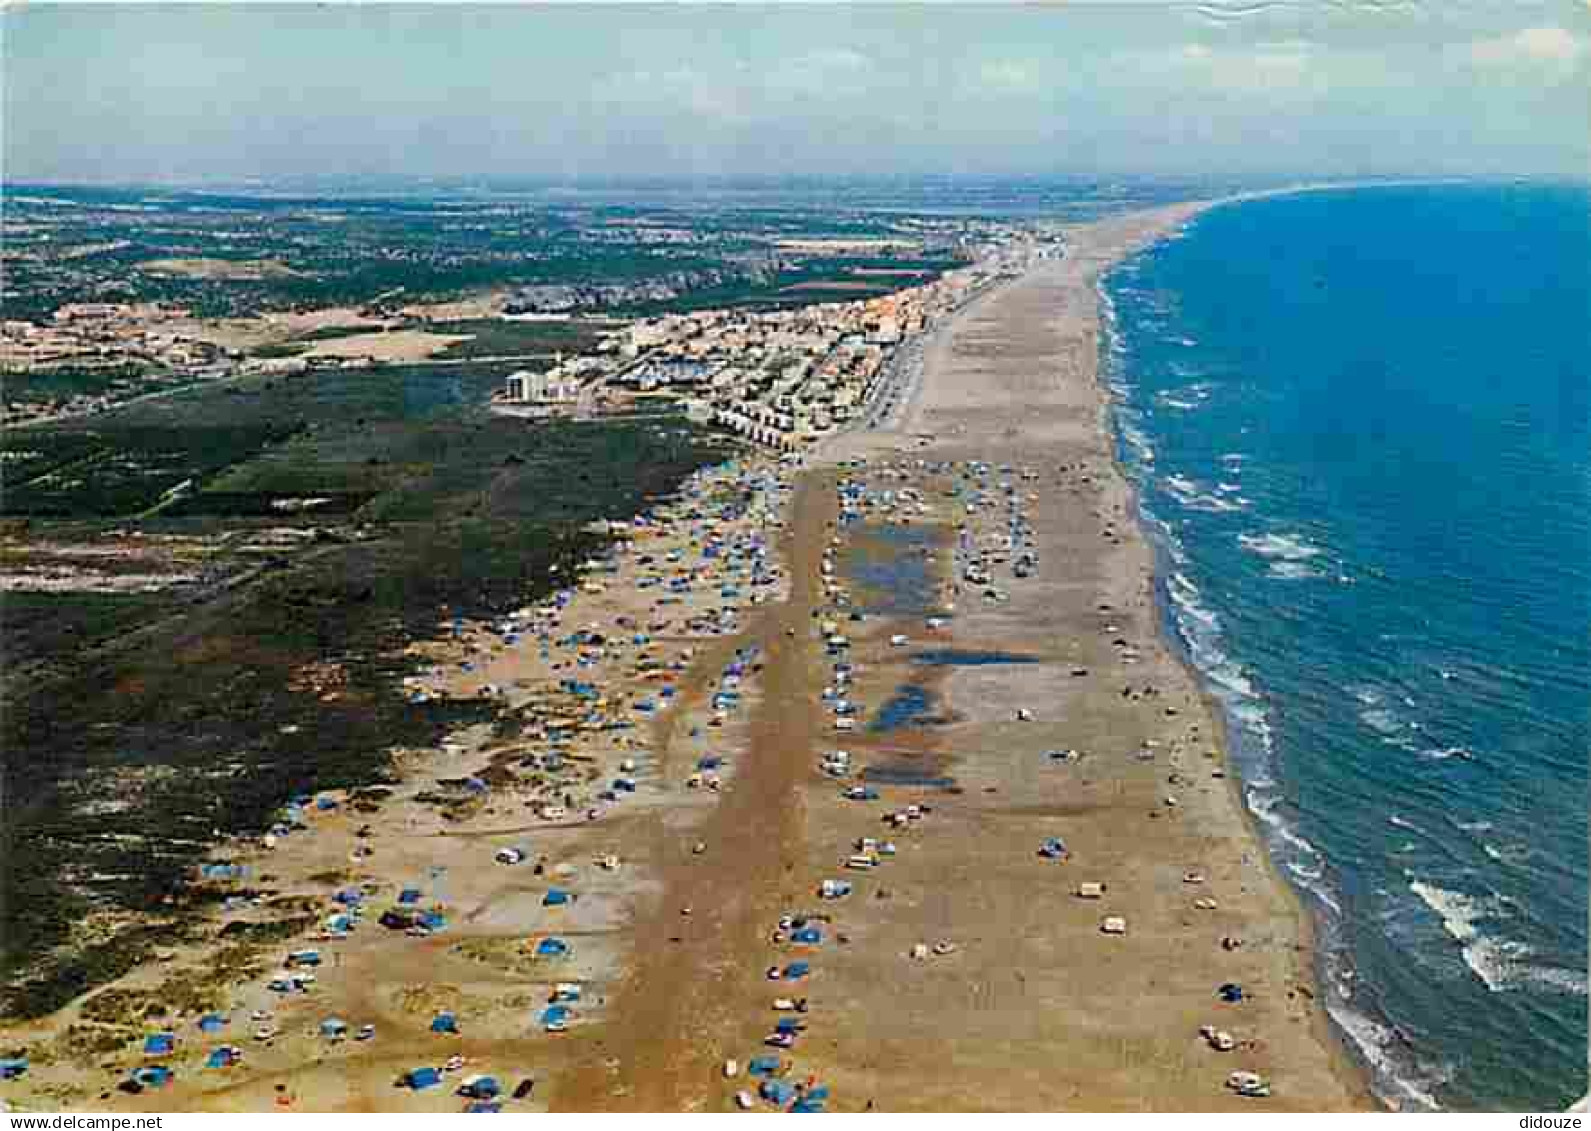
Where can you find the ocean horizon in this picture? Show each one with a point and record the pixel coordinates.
(1357, 422)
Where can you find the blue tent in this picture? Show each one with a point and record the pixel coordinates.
(212, 1023)
(444, 1023)
(555, 1018)
(796, 970)
(763, 1065)
(806, 1105)
(158, 1044)
(809, 935)
(224, 1057)
(409, 895)
(787, 1025)
(334, 1027)
(11, 1068)
(480, 1087)
(422, 1078)
(482, 1107)
(1053, 849)
(1230, 992)
(433, 920)
(555, 897)
(776, 1091)
(154, 1076)
(552, 948)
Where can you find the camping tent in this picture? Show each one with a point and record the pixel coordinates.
(444, 1022)
(421, 1078)
(158, 1044)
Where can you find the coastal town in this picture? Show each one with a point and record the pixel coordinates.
(784, 379)
(780, 374)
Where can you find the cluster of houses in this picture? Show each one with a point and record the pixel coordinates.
(780, 378)
(108, 337)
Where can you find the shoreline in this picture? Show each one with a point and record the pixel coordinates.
(1353, 1068)
(1142, 230)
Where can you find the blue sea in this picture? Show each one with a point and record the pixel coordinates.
(1360, 425)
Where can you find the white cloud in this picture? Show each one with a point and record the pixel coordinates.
(1532, 45)
(1009, 75)
(827, 71)
(1263, 67)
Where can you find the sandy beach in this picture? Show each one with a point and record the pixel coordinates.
(673, 817)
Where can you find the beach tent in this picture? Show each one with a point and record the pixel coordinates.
(809, 936)
(796, 970)
(555, 897)
(555, 1018)
(409, 895)
(552, 948)
(479, 1087)
(334, 1028)
(1053, 849)
(158, 1044)
(212, 1023)
(1230, 992)
(776, 1092)
(433, 920)
(444, 1023)
(224, 1057)
(421, 1078)
(566, 991)
(154, 1076)
(482, 1107)
(303, 958)
(12, 1067)
(763, 1065)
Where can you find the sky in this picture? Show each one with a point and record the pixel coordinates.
(1226, 88)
